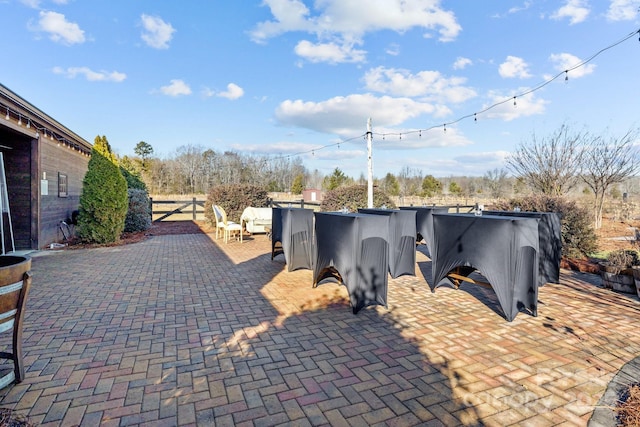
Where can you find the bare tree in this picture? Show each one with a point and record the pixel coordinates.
(608, 161)
(495, 181)
(189, 160)
(551, 165)
(410, 181)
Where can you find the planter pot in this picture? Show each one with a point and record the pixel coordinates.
(618, 280)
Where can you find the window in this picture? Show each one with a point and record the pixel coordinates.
(62, 185)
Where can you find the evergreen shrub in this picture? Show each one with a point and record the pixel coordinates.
(354, 197)
(138, 215)
(104, 199)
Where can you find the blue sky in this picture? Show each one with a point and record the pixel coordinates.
(283, 77)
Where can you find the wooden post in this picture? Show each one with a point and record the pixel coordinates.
(151, 208)
(194, 208)
(302, 203)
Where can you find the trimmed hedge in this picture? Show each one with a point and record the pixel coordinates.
(578, 237)
(104, 200)
(234, 199)
(353, 198)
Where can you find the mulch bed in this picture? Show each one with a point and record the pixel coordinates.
(160, 228)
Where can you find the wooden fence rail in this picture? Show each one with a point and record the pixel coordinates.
(194, 209)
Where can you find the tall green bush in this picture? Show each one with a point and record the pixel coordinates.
(104, 199)
(234, 199)
(139, 213)
(578, 237)
(353, 198)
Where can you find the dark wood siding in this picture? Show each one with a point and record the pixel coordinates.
(56, 160)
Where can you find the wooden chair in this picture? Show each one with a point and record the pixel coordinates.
(228, 227)
(14, 290)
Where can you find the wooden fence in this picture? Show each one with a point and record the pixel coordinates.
(193, 210)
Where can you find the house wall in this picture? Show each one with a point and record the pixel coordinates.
(56, 160)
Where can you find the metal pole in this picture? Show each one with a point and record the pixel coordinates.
(370, 167)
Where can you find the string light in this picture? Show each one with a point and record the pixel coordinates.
(529, 91)
(28, 123)
(7, 116)
(19, 120)
(515, 105)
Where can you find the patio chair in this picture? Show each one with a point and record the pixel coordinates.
(217, 212)
(228, 227)
(15, 281)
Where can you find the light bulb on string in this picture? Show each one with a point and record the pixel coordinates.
(7, 116)
(515, 105)
(400, 137)
(444, 126)
(19, 120)
(475, 118)
(420, 134)
(28, 123)
(566, 76)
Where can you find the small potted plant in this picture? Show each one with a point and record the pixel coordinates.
(617, 271)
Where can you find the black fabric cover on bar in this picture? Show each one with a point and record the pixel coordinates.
(504, 249)
(402, 240)
(550, 231)
(353, 247)
(424, 221)
(293, 228)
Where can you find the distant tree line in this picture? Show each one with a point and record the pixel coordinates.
(564, 162)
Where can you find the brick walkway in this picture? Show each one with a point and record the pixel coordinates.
(181, 330)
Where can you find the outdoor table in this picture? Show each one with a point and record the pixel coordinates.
(402, 240)
(352, 249)
(550, 233)
(424, 221)
(504, 249)
(293, 228)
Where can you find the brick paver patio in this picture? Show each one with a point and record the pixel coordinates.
(182, 330)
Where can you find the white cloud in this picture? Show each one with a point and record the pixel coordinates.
(59, 29)
(431, 85)
(34, 4)
(565, 61)
(462, 63)
(176, 87)
(623, 10)
(510, 108)
(514, 67)
(329, 52)
(483, 158)
(345, 22)
(233, 92)
(347, 115)
(156, 33)
(393, 49)
(576, 10)
(90, 75)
